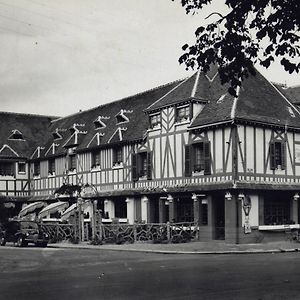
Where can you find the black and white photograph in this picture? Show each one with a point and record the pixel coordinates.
(150, 149)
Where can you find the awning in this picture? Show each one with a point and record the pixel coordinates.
(71, 210)
(53, 207)
(31, 208)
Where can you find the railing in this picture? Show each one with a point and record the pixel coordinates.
(125, 233)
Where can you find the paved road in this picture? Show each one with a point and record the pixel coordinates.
(33, 273)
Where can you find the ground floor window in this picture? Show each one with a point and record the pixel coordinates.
(120, 209)
(185, 210)
(276, 212)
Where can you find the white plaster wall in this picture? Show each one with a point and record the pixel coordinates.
(109, 207)
(144, 208)
(130, 210)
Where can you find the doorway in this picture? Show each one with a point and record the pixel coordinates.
(219, 218)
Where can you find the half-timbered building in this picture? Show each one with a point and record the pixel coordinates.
(186, 151)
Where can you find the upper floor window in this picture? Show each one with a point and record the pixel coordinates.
(182, 113)
(51, 166)
(155, 120)
(21, 167)
(95, 161)
(141, 165)
(117, 156)
(277, 155)
(72, 162)
(16, 135)
(36, 168)
(197, 158)
(7, 168)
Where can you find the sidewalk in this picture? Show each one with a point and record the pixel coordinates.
(214, 247)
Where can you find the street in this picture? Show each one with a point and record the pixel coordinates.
(36, 273)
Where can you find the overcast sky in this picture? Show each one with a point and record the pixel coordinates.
(60, 56)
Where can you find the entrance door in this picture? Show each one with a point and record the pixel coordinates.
(219, 222)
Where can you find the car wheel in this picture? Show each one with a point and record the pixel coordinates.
(2, 241)
(21, 242)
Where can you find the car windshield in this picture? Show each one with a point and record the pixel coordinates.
(29, 225)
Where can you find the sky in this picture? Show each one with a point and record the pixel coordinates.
(61, 56)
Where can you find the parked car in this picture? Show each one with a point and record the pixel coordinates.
(23, 232)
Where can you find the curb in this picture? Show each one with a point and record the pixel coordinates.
(253, 251)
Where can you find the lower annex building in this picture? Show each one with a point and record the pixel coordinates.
(185, 151)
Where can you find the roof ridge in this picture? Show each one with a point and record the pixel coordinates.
(27, 114)
(118, 100)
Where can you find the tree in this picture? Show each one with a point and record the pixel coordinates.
(253, 31)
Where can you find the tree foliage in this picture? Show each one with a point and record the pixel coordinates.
(253, 31)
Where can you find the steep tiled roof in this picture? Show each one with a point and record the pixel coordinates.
(292, 93)
(132, 130)
(258, 101)
(32, 127)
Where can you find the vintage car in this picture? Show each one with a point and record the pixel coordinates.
(23, 232)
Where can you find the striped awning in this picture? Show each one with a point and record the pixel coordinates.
(32, 207)
(71, 210)
(53, 207)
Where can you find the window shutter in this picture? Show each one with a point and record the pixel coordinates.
(283, 156)
(149, 165)
(272, 156)
(134, 162)
(187, 163)
(207, 158)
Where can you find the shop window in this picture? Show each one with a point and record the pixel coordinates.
(120, 209)
(155, 120)
(36, 168)
(142, 165)
(197, 158)
(7, 168)
(72, 162)
(95, 163)
(21, 167)
(117, 156)
(182, 113)
(51, 166)
(276, 212)
(277, 155)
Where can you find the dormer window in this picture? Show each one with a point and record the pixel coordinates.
(99, 124)
(155, 120)
(121, 117)
(182, 113)
(56, 135)
(36, 168)
(51, 166)
(16, 135)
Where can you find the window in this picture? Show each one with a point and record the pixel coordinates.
(276, 212)
(182, 114)
(141, 165)
(117, 156)
(72, 162)
(36, 168)
(21, 167)
(204, 212)
(197, 158)
(16, 135)
(95, 161)
(120, 209)
(277, 155)
(7, 168)
(51, 166)
(155, 120)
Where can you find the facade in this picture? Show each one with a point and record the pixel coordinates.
(183, 152)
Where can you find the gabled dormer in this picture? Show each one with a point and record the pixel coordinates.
(76, 135)
(57, 134)
(16, 135)
(122, 117)
(99, 123)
